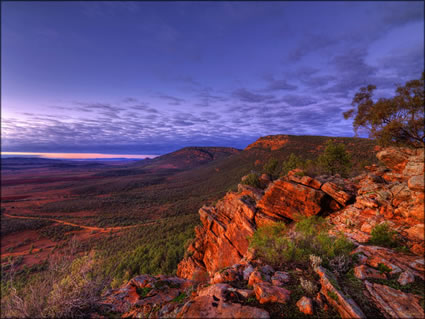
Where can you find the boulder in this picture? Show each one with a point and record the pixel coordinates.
(416, 183)
(345, 305)
(406, 277)
(207, 307)
(363, 272)
(256, 277)
(266, 293)
(394, 158)
(288, 199)
(336, 193)
(305, 305)
(394, 303)
(396, 261)
(280, 278)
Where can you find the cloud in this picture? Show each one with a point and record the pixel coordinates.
(246, 96)
(279, 85)
(298, 100)
(172, 100)
(311, 43)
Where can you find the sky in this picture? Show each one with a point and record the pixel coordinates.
(150, 78)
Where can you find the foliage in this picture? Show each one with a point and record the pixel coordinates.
(335, 159)
(179, 299)
(308, 286)
(382, 235)
(272, 168)
(11, 225)
(66, 288)
(291, 163)
(383, 268)
(277, 246)
(398, 120)
(252, 180)
(58, 232)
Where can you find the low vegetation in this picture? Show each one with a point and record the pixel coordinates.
(382, 235)
(58, 232)
(252, 180)
(278, 246)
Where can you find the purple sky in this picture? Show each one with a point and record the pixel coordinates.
(149, 78)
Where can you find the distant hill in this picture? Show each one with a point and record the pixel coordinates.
(19, 163)
(188, 158)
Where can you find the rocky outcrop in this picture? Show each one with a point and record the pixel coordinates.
(223, 238)
(393, 194)
(269, 142)
(146, 294)
(394, 303)
(241, 285)
(345, 305)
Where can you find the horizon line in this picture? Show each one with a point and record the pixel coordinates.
(78, 155)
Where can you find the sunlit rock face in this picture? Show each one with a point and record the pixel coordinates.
(220, 274)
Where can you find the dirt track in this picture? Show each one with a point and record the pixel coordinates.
(100, 229)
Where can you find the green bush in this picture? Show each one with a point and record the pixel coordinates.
(272, 168)
(276, 246)
(382, 235)
(252, 180)
(291, 163)
(335, 159)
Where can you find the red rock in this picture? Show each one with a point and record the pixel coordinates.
(269, 142)
(396, 261)
(267, 293)
(226, 275)
(252, 192)
(297, 177)
(418, 249)
(336, 193)
(414, 167)
(366, 227)
(406, 277)
(363, 272)
(393, 158)
(288, 199)
(305, 305)
(416, 232)
(280, 278)
(394, 303)
(247, 271)
(416, 183)
(208, 307)
(255, 277)
(345, 306)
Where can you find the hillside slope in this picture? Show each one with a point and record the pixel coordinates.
(350, 274)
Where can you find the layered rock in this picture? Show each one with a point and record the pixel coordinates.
(223, 238)
(220, 256)
(393, 194)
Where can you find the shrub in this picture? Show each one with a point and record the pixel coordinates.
(66, 289)
(308, 286)
(252, 180)
(335, 159)
(277, 247)
(291, 163)
(272, 168)
(315, 261)
(382, 235)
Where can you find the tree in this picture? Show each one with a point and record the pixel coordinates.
(291, 163)
(335, 159)
(272, 168)
(392, 121)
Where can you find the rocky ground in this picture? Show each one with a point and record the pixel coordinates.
(221, 276)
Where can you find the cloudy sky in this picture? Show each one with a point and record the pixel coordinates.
(149, 78)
